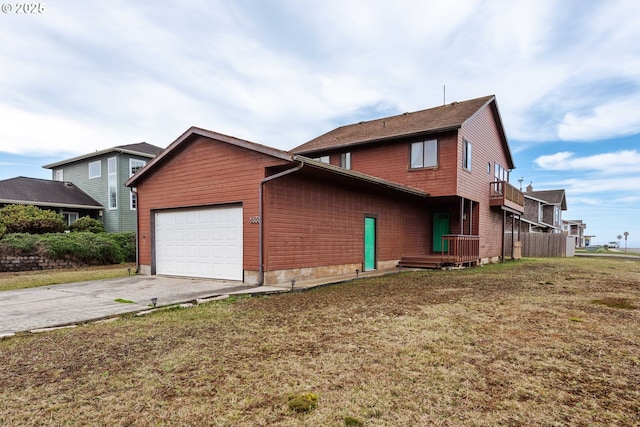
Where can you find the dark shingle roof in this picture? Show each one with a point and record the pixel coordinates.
(44, 192)
(438, 119)
(141, 149)
(554, 197)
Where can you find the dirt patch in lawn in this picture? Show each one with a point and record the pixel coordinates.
(514, 344)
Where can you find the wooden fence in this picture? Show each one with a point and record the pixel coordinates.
(544, 244)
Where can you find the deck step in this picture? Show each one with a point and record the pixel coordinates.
(420, 262)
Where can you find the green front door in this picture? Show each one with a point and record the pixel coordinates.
(441, 226)
(369, 244)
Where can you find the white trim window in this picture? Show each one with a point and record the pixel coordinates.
(466, 155)
(95, 169)
(112, 173)
(323, 159)
(70, 217)
(424, 154)
(345, 160)
(58, 175)
(134, 166)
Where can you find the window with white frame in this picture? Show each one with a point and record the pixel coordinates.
(345, 160)
(134, 166)
(112, 171)
(466, 159)
(323, 159)
(95, 169)
(70, 217)
(500, 173)
(58, 175)
(424, 154)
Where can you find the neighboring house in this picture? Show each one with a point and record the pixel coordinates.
(422, 188)
(587, 240)
(575, 228)
(61, 197)
(102, 175)
(543, 210)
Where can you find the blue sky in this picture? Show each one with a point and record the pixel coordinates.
(84, 76)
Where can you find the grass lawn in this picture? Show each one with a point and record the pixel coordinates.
(31, 279)
(550, 342)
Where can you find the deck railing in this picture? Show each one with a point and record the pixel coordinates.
(460, 249)
(504, 194)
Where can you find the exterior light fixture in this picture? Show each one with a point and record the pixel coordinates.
(154, 301)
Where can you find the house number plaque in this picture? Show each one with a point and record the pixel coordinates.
(254, 220)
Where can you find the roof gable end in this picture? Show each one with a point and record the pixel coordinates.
(192, 132)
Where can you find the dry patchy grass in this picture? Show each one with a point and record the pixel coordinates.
(32, 279)
(516, 344)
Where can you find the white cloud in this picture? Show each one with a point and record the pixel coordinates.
(616, 118)
(620, 162)
(282, 72)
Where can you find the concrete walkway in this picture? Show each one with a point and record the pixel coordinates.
(44, 307)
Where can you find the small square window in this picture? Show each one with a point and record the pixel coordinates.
(95, 169)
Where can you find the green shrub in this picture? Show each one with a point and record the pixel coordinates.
(86, 223)
(126, 242)
(88, 247)
(31, 219)
(21, 243)
(3, 230)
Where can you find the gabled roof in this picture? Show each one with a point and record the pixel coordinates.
(44, 192)
(194, 131)
(274, 152)
(430, 121)
(141, 149)
(550, 197)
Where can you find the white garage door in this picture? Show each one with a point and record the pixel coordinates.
(200, 243)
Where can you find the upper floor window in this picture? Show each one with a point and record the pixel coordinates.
(112, 172)
(466, 159)
(58, 175)
(424, 154)
(95, 169)
(134, 166)
(345, 160)
(501, 174)
(323, 159)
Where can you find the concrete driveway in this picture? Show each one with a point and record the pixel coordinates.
(57, 305)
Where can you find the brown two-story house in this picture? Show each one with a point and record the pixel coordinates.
(418, 189)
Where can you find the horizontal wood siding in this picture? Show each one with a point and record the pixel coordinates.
(482, 132)
(390, 161)
(311, 223)
(205, 173)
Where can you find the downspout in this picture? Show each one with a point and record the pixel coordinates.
(261, 213)
(135, 191)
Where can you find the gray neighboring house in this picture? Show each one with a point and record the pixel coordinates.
(543, 210)
(61, 197)
(575, 228)
(102, 175)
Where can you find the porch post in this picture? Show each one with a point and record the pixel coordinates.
(462, 215)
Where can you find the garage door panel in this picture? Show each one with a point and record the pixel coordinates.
(200, 243)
